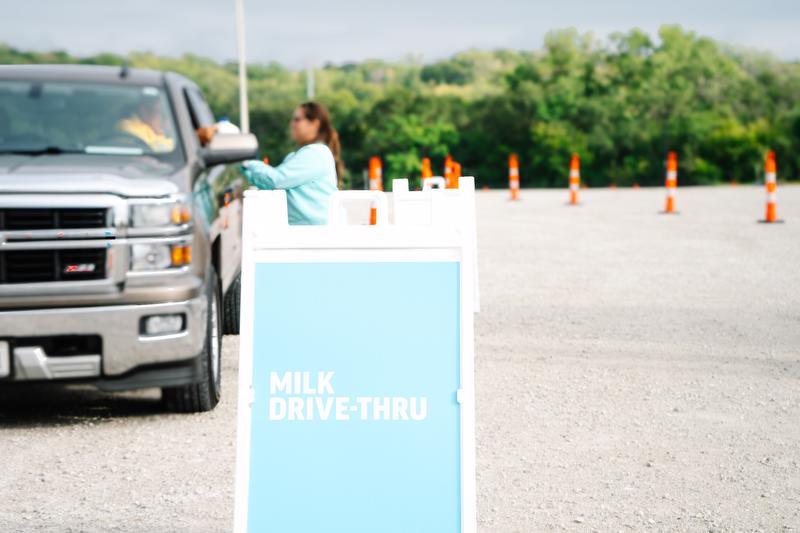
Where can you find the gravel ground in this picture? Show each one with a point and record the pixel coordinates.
(635, 372)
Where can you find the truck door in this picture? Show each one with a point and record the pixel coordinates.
(225, 186)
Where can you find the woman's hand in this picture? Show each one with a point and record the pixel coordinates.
(253, 170)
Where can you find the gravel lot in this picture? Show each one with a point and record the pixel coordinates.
(635, 372)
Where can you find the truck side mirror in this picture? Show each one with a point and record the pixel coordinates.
(230, 148)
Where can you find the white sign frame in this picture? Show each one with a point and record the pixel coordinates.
(268, 238)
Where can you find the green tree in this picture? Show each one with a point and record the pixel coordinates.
(621, 103)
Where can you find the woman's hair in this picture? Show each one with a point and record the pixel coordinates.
(327, 133)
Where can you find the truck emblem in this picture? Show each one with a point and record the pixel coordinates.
(78, 268)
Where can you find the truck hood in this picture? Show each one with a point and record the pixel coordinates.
(63, 174)
(86, 183)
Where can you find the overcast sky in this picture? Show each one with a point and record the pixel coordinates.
(294, 33)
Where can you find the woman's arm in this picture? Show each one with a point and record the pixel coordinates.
(305, 166)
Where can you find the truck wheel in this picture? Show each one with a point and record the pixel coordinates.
(233, 306)
(203, 395)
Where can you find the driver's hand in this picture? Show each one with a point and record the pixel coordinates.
(205, 134)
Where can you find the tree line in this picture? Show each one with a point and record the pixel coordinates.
(621, 103)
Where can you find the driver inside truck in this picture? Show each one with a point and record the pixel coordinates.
(145, 124)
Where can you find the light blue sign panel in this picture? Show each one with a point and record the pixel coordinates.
(355, 425)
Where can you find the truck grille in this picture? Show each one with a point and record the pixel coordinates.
(36, 266)
(64, 218)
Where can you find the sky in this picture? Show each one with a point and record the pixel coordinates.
(316, 32)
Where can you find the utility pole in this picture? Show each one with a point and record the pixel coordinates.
(309, 81)
(244, 109)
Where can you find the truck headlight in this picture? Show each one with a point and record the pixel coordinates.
(155, 256)
(150, 257)
(154, 325)
(159, 215)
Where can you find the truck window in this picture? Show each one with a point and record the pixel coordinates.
(202, 116)
(87, 118)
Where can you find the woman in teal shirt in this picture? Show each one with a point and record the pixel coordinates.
(309, 175)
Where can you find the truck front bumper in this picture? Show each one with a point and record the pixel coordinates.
(126, 355)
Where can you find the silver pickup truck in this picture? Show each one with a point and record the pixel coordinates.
(120, 232)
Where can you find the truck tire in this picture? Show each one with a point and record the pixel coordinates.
(203, 395)
(233, 306)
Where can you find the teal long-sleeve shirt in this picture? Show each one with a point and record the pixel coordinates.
(308, 176)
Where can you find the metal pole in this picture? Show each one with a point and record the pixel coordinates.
(244, 109)
(310, 81)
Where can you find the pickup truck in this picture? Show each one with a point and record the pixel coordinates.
(120, 232)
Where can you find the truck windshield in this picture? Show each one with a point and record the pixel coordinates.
(53, 117)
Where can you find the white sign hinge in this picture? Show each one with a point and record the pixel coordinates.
(460, 396)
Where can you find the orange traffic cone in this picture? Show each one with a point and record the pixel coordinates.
(426, 168)
(771, 184)
(455, 173)
(375, 174)
(448, 170)
(672, 182)
(574, 179)
(513, 176)
(373, 213)
(426, 171)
